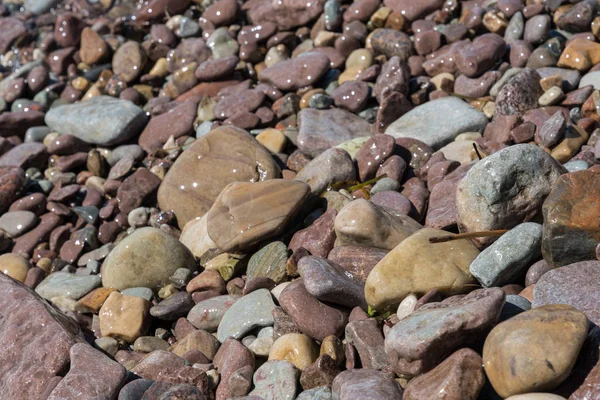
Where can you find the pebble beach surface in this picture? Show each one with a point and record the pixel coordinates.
(299, 199)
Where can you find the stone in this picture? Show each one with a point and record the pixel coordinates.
(331, 283)
(519, 94)
(391, 43)
(268, 262)
(207, 314)
(535, 350)
(423, 339)
(357, 260)
(318, 238)
(372, 155)
(363, 223)
(15, 266)
(296, 348)
(505, 189)
(480, 55)
(321, 129)
(572, 284)
(177, 122)
(12, 29)
(553, 130)
(570, 219)
(43, 354)
(173, 307)
(124, 317)
(92, 302)
(89, 120)
(232, 356)
(195, 236)
(417, 266)
(25, 155)
(275, 380)
(129, 61)
(365, 383)
(218, 158)
(368, 340)
(198, 340)
(93, 47)
(92, 375)
(297, 72)
(68, 285)
(506, 259)
(460, 376)
(137, 189)
(12, 181)
(249, 312)
(315, 319)
(437, 123)
(247, 213)
(318, 393)
(351, 95)
(332, 166)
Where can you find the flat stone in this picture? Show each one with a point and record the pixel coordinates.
(246, 213)
(68, 285)
(367, 338)
(508, 257)
(297, 72)
(321, 129)
(571, 219)
(124, 317)
(417, 266)
(459, 376)
(102, 120)
(275, 380)
(207, 314)
(92, 375)
(573, 284)
(436, 123)
(147, 257)
(357, 260)
(535, 350)
(331, 166)
(222, 156)
(358, 384)
(269, 262)
(506, 188)
(173, 307)
(250, 311)
(319, 237)
(422, 340)
(177, 122)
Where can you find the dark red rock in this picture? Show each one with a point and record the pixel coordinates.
(231, 356)
(177, 122)
(12, 29)
(12, 182)
(319, 237)
(320, 373)
(372, 154)
(25, 244)
(137, 189)
(17, 123)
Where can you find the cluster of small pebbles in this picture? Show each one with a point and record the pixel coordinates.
(300, 199)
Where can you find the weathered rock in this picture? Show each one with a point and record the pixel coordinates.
(365, 383)
(275, 380)
(318, 238)
(332, 166)
(207, 314)
(368, 340)
(249, 312)
(124, 317)
(519, 94)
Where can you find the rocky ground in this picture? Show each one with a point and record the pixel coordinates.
(216, 199)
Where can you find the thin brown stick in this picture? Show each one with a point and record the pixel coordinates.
(477, 151)
(442, 239)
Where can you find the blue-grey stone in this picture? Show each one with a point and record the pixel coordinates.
(207, 314)
(249, 312)
(67, 285)
(508, 257)
(101, 120)
(131, 150)
(385, 184)
(571, 77)
(591, 78)
(318, 393)
(143, 292)
(515, 28)
(38, 7)
(134, 390)
(275, 380)
(438, 122)
(576, 165)
(16, 223)
(36, 134)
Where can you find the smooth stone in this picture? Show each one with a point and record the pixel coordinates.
(438, 122)
(102, 120)
(570, 228)
(92, 375)
(372, 155)
(173, 307)
(147, 257)
(250, 311)
(197, 340)
(505, 188)
(508, 257)
(361, 383)
(318, 393)
(124, 317)
(269, 262)
(536, 396)
(15, 266)
(232, 356)
(535, 350)
(591, 78)
(331, 166)
(275, 380)
(354, 145)
(422, 340)
(321, 129)
(573, 284)
(367, 338)
(176, 122)
(38, 7)
(322, 372)
(195, 236)
(296, 348)
(459, 376)
(417, 266)
(362, 223)
(331, 283)
(12, 181)
(319, 237)
(207, 314)
(68, 285)
(246, 213)
(200, 173)
(141, 292)
(297, 72)
(135, 389)
(357, 260)
(391, 43)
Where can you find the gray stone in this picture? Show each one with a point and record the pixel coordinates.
(143, 292)
(436, 123)
(506, 188)
(67, 285)
(356, 384)
(38, 7)
(575, 284)
(385, 184)
(591, 78)
(173, 307)
(318, 393)
(36, 134)
(503, 79)
(508, 257)
(321, 129)
(16, 223)
(102, 120)
(275, 380)
(207, 314)
(571, 77)
(576, 165)
(331, 166)
(329, 282)
(249, 312)
(515, 28)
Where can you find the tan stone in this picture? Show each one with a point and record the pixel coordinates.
(93, 48)
(80, 83)
(246, 213)
(14, 266)
(574, 139)
(124, 317)
(580, 54)
(460, 150)
(195, 236)
(197, 340)
(222, 156)
(551, 81)
(160, 68)
(535, 350)
(350, 74)
(333, 347)
(361, 58)
(93, 301)
(296, 348)
(272, 139)
(417, 266)
(306, 97)
(363, 223)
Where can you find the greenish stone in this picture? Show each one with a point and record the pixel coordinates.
(269, 262)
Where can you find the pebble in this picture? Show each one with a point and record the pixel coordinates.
(360, 383)
(295, 348)
(68, 285)
(250, 311)
(331, 166)
(173, 307)
(519, 94)
(269, 262)
(296, 73)
(124, 317)
(16, 223)
(15, 266)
